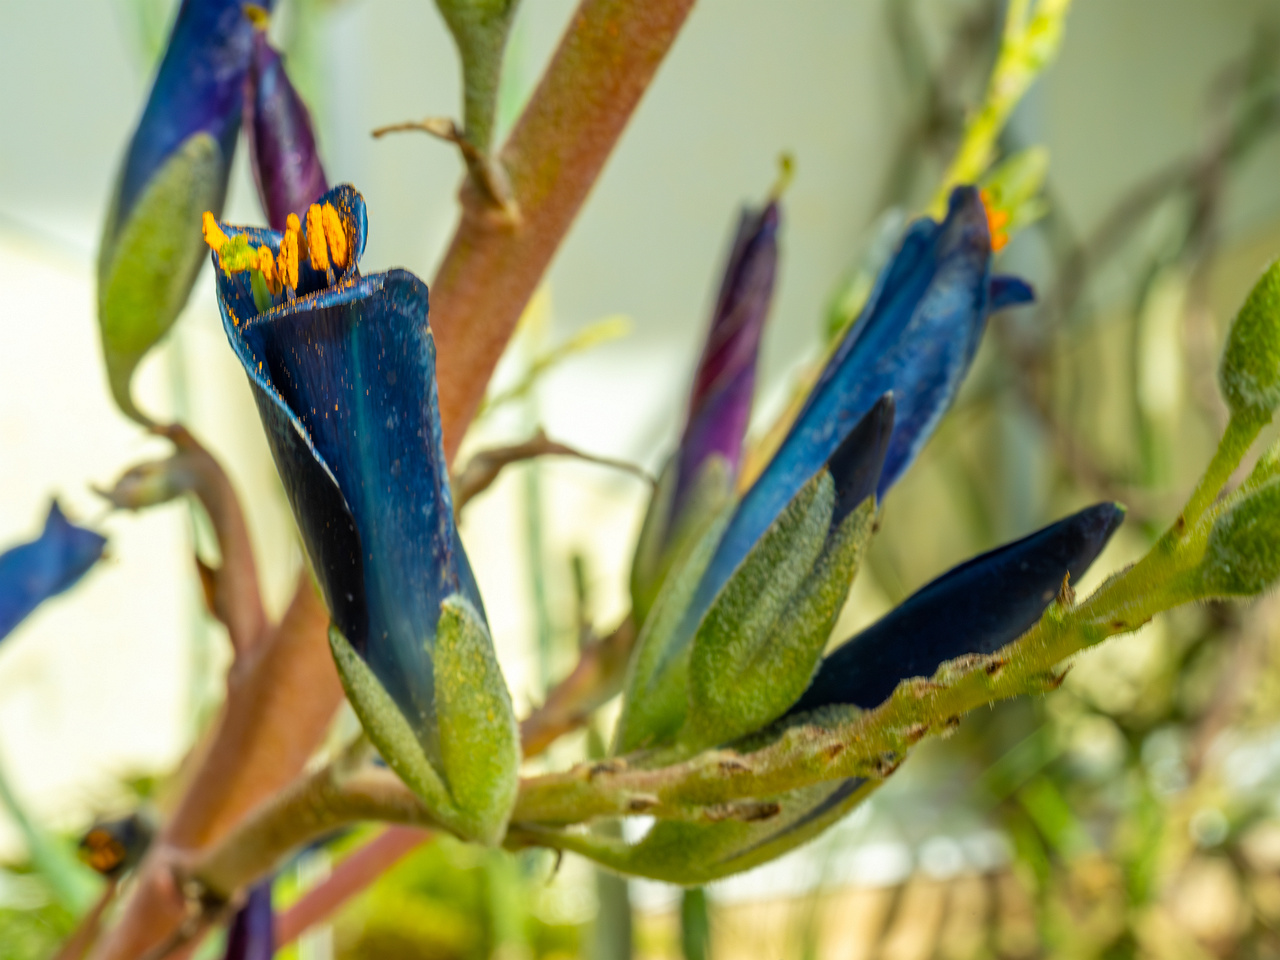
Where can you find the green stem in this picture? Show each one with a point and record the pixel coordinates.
(1235, 443)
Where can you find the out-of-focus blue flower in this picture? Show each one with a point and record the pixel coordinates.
(723, 387)
(343, 370)
(31, 573)
(252, 934)
(282, 143)
(915, 338)
(176, 167)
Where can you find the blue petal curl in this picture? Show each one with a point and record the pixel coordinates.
(55, 561)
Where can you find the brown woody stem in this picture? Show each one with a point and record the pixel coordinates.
(605, 62)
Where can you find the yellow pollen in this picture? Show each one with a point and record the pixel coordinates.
(213, 234)
(257, 15)
(316, 248)
(287, 263)
(267, 267)
(335, 234)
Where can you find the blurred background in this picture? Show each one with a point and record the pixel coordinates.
(1134, 812)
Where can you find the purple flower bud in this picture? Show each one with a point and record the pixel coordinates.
(252, 934)
(720, 402)
(282, 145)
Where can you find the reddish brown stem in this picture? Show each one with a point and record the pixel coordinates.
(349, 878)
(234, 597)
(604, 64)
(278, 708)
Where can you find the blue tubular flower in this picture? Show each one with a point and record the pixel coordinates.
(252, 934)
(915, 339)
(282, 144)
(55, 561)
(343, 372)
(977, 607)
(176, 167)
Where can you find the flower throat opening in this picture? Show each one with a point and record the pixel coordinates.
(272, 275)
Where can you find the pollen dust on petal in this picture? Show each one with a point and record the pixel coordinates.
(997, 222)
(317, 249)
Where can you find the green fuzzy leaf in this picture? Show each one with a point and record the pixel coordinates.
(148, 264)
(388, 729)
(1242, 557)
(666, 541)
(479, 738)
(759, 645)
(654, 698)
(1250, 371)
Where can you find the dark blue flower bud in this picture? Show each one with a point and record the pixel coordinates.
(176, 167)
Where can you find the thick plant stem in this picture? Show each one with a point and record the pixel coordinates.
(604, 63)
(278, 708)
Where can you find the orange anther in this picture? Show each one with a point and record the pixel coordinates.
(267, 267)
(213, 234)
(997, 221)
(335, 234)
(316, 248)
(287, 262)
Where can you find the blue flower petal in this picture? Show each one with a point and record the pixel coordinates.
(33, 572)
(344, 378)
(915, 339)
(1005, 291)
(198, 88)
(855, 466)
(978, 607)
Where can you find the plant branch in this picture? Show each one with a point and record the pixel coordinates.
(485, 465)
(232, 588)
(606, 60)
(349, 878)
(278, 707)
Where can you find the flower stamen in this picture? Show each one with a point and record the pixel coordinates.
(997, 221)
(335, 234)
(289, 255)
(213, 234)
(317, 249)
